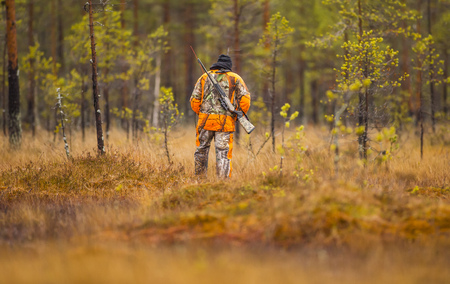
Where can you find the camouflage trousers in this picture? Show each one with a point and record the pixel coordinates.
(223, 143)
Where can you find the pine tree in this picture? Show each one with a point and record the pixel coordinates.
(275, 36)
(15, 127)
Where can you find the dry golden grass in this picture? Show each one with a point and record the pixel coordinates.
(95, 214)
(119, 263)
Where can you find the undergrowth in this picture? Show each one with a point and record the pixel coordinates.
(123, 196)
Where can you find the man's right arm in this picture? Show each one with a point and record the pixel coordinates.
(197, 96)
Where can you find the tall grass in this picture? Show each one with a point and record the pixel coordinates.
(45, 195)
(131, 196)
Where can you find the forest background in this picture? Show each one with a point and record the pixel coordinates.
(144, 45)
(345, 178)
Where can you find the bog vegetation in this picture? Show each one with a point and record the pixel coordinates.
(350, 152)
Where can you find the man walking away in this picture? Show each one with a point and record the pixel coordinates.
(214, 121)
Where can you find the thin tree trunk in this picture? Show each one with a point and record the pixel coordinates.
(98, 115)
(420, 114)
(136, 22)
(301, 73)
(189, 63)
(134, 122)
(155, 118)
(336, 140)
(124, 90)
(430, 72)
(366, 111)
(272, 95)
(4, 87)
(360, 123)
(406, 86)
(166, 144)
(122, 11)
(237, 52)
(60, 45)
(366, 124)
(167, 61)
(83, 108)
(36, 106)
(361, 97)
(62, 116)
(315, 101)
(53, 28)
(15, 127)
(266, 19)
(444, 85)
(237, 47)
(360, 29)
(55, 116)
(106, 89)
(107, 114)
(347, 53)
(31, 82)
(419, 75)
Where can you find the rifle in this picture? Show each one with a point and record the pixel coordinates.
(225, 101)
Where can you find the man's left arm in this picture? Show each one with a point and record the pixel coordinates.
(242, 95)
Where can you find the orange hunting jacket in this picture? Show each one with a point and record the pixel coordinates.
(204, 101)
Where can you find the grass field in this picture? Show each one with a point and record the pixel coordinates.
(129, 217)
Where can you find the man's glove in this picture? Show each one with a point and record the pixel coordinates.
(239, 114)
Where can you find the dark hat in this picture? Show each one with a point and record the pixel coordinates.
(225, 59)
(224, 62)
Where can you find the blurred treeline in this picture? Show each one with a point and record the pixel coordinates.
(143, 45)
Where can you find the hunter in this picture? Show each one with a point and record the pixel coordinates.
(214, 121)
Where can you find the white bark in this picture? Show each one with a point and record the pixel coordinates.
(155, 119)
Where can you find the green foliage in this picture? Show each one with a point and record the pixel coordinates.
(287, 122)
(276, 33)
(169, 109)
(72, 89)
(44, 70)
(427, 60)
(297, 149)
(124, 113)
(388, 144)
(218, 32)
(170, 115)
(79, 41)
(386, 15)
(367, 72)
(260, 115)
(112, 41)
(141, 58)
(368, 65)
(284, 114)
